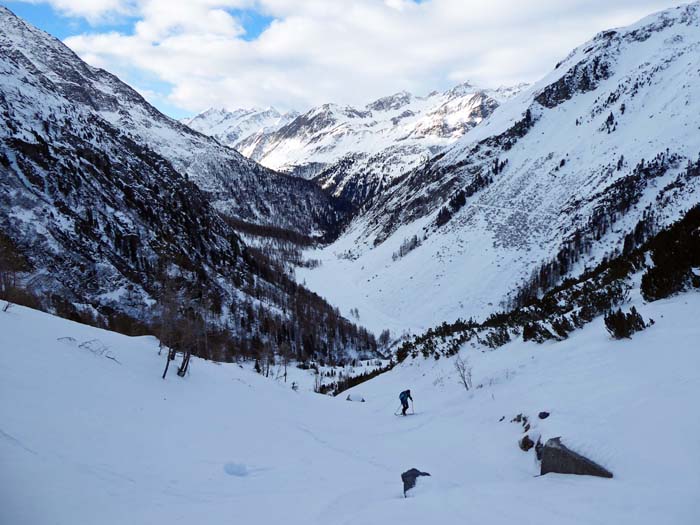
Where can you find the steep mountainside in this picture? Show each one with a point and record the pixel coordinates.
(598, 154)
(353, 152)
(102, 225)
(236, 185)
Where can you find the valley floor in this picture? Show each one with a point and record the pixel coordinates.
(89, 433)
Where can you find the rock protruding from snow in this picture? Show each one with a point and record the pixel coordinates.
(558, 458)
(526, 443)
(409, 479)
(357, 398)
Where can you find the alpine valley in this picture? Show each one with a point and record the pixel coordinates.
(175, 295)
(499, 194)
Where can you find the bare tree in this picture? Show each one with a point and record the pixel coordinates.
(194, 327)
(285, 354)
(384, 338)
(318, 381)
(193, 339)
(167, 315)
(11, 264)
(464, 372)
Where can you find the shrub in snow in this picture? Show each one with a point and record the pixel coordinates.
(623, 325)
(355, 397)
(536, 332)
(464, 372)
(674, 252)
(407, 245)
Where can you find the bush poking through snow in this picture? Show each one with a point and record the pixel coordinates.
(622, 325)
(464, 372)
(409, 244)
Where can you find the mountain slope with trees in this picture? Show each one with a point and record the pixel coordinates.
(237, 186)
(100, 225)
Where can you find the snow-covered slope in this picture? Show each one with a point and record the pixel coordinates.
(564, 171)
(44, 83)
(325, 134)
(89, 433)
(231, 127)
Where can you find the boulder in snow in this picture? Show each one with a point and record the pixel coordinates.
(556, 457)
(409, 479)
(543, 415)
(355, 397)
(539, 447)
(526, 443)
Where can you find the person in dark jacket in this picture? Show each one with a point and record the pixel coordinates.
(404, 397)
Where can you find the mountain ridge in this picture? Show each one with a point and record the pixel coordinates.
(352, 152)
(219, 171)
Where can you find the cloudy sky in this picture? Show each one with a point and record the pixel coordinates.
(188, 55)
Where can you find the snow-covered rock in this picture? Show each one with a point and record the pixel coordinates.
(558, 458)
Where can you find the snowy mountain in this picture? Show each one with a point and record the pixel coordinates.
(353, 152)
(232, 127)
(108, 213)
(571, 170)
(237, 186)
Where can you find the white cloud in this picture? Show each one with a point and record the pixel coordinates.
(92, 10)
(341, 50)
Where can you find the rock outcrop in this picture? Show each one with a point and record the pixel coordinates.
(556, 457)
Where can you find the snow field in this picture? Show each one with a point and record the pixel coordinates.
(85, 438)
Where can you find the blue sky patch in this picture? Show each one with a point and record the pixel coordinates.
(254, 22)
(61, 26)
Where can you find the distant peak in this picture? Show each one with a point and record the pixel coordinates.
(465, 88)
(394, 101)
